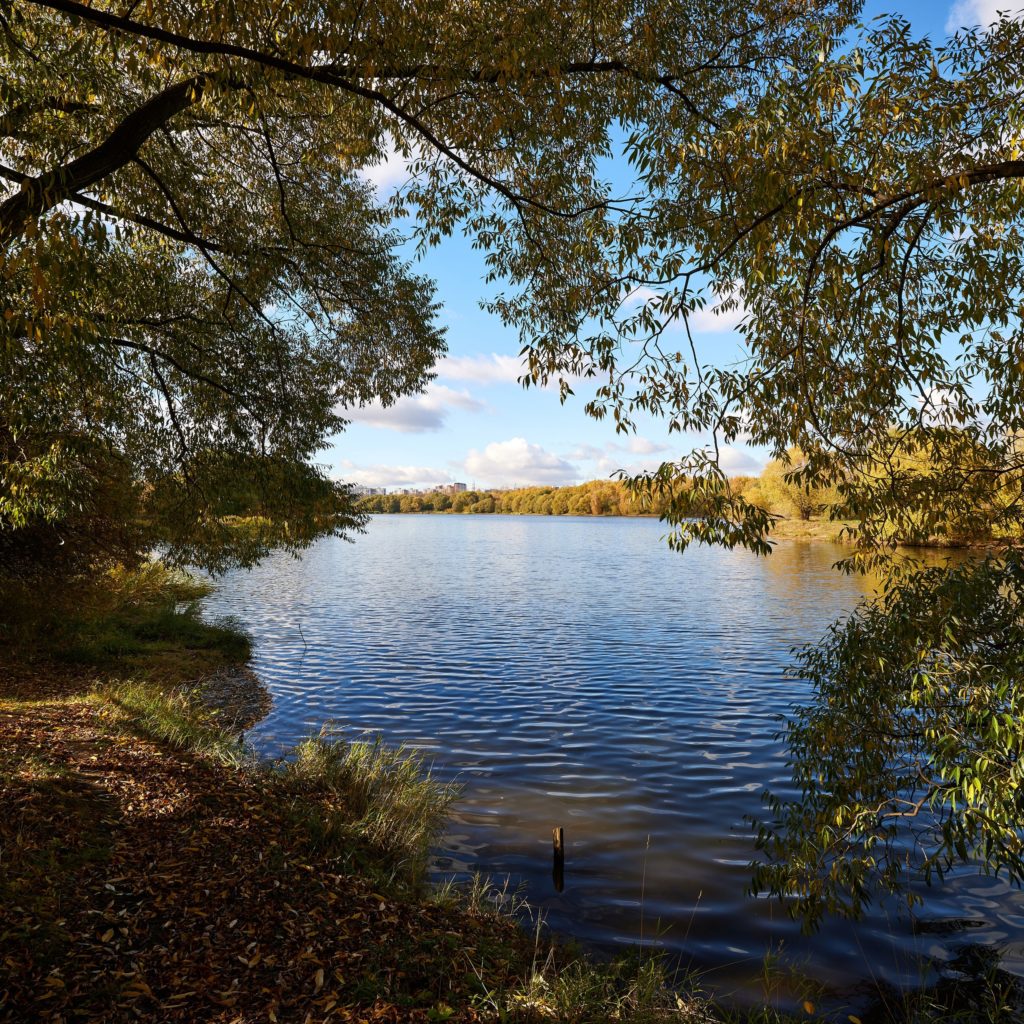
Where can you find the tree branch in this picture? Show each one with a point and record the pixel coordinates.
(13, 119)
(58, 184)
(155, 353)
(80, 199)
(348, 80)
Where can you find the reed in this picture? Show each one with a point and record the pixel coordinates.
(369, 797)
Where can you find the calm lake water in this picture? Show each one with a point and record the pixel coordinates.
(576, 672)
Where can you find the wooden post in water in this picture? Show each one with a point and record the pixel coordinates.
(558, 870)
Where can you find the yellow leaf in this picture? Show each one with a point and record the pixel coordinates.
(808, 1006)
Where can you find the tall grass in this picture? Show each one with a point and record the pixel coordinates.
(640, 989)
(172, 717)
(152, 582)
(369, 798)
(369, 805)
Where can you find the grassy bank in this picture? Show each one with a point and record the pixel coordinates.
(143, 623)
(154, 870)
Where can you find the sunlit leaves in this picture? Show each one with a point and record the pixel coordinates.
(909, 760)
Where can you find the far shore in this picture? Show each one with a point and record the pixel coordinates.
(786, 529)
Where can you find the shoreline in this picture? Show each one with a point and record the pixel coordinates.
(156, 869)
(236, 697)
(159, 874)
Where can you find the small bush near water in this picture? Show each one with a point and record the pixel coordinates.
(639, 989)
(142, 621)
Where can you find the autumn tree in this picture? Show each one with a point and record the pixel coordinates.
(780, 490)
(198, 283)
(194, 288)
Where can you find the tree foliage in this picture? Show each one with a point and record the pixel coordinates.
(196, 276)
(195, 286)
(779, 489)
(594, 498)
(909, 760)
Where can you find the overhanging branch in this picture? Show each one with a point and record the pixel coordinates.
(52, 187)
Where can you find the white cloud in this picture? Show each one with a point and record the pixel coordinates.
(416, 414)
(391, 171)
(711, 319)
(738, 462)
(610, 466)
(494, 369)
(967, 13)
(483, 369)
(943, 406)
(641, 446)
(583, 452)
(714, 318)
(516, 461)
(609, 459)
(639, 295)
(392, 476)
(735, 460)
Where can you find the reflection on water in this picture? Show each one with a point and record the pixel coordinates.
(575, 672)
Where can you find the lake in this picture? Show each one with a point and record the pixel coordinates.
(575, 672)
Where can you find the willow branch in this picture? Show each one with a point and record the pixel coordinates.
(53, 187)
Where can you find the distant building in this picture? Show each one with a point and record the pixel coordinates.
(443, 489)
(361, 491)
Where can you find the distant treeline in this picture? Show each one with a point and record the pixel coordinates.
(776, 489)
(603, 498)
(597, 498)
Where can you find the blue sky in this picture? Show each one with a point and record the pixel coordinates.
(475, 424)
